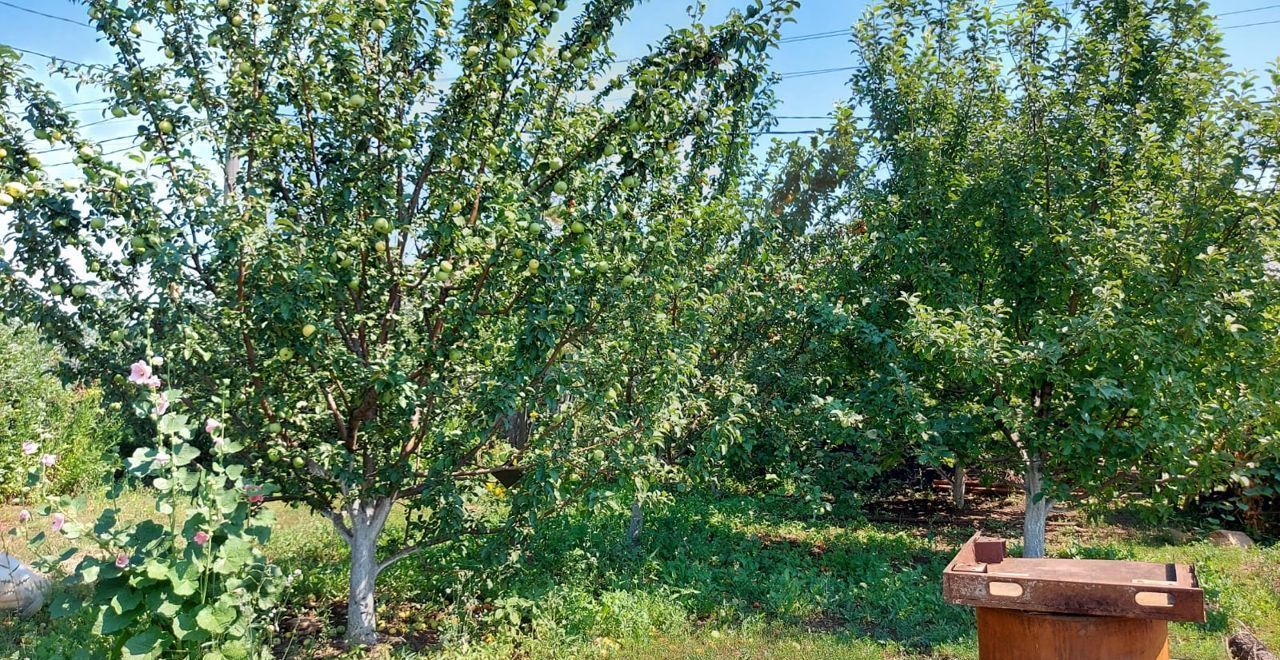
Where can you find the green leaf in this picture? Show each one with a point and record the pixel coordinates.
(125, 599)
(215, 618)
(156, 569)
(109, 620)
(64, 604)
(184, 453)
(142, 646)
(187, 629)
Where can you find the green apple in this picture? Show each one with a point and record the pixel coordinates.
(569, 309)
(533, 266)
(6, 199)
(511, 51)
(117, 112)
(380, 247)
(273, 427)
(561, 187)
(382, 226)
(378, 25)
(355, 101)
(4, 153)
(165, 126)
(33, 160)
(446, 266)
(285, 354)
(121, 183)
(308, 330)
(245, 68)
(78, 290)
(406, 143)
(98, 223)
(629, 181)
(577, 227)
(298, 462)
(56, 289)
(473, 51)
(274, 455)
(16, 189)
(237, 19)
(455, 355)
(117, 335)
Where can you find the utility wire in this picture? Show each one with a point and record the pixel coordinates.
(49, 16)
(814, 72)
(51, 58)
(1247, 11)
(63, 19)
(1245, 25)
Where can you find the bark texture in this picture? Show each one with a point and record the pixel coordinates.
(1035, 519)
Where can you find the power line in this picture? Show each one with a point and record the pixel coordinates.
(1247, 11)
(814, 72)
(105, 153)
(1245, 25)
(99, 142)
(51, 58)
(89, 102)
(63, 19)
(49, 16)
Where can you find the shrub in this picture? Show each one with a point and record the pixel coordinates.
(37, 410)
(190, 581)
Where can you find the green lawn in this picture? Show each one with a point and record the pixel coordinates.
(731, 577)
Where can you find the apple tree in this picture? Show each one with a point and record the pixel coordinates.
(1058, 227)
(434, 258)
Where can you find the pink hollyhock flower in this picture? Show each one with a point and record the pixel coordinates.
(122, 560)
(58, 521)
(140, 374)
(211, 425)
(30, 448)
(254, 494)
(162, 404)
(162, 458)
(48, 460)
(201, 537)
(24, 516)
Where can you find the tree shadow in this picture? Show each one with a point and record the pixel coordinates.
(733, 560)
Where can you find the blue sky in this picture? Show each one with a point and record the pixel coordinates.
(1251, 47)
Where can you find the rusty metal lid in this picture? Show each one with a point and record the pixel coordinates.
(981, 576)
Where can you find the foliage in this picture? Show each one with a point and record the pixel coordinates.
(409, 284)
(1051, 232)
(191, 579)
(832, 586)
(36, 408)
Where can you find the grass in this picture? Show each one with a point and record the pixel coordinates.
(728, 577)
